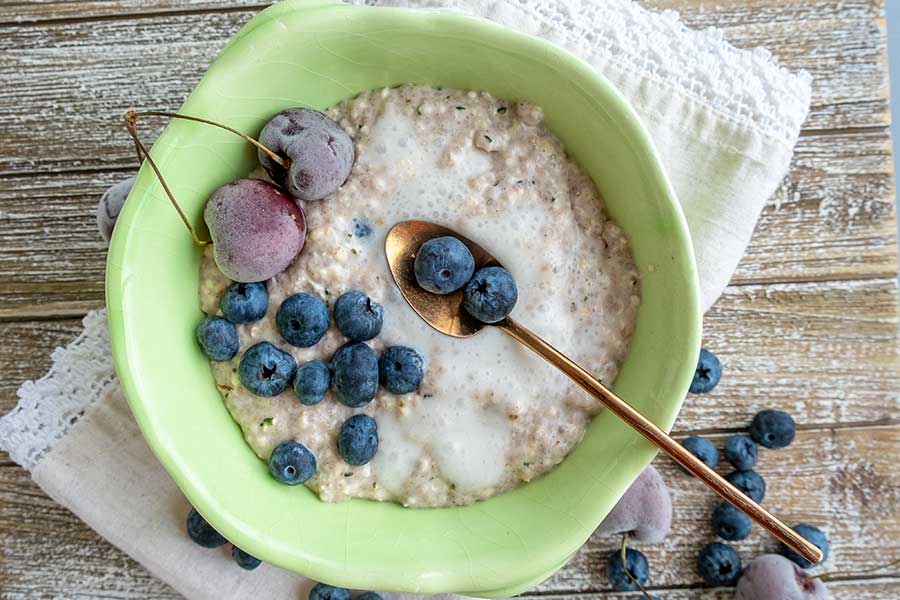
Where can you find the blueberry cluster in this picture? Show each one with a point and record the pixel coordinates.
(353, 373)
(203, 534)
(323, 591)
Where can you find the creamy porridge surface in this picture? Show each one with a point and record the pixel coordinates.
(489, 415)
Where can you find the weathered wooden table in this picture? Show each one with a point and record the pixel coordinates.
(809, 324)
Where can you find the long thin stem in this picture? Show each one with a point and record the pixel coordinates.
(835, 574)
(624, 551)
(285, 163)
(131, 127)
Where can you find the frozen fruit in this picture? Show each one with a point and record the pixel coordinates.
(637, 566)
(323, 591)
(771, 576)
(773, 428)
(741, 452)
(443, 265)
(302, 319)
(708, 372)
(719, 564)
(703, 449)
(311, 382)
(292, 463)
(750, 482)
(644, 512)
(319, 152)
(244, 560)
(354, 369)
(490, 295)
(265, 370)
(369, 596)
(217, 338)
(110, 205)
(245, 302)
(257, 230)
(400, 369)
(730, 523)
(358, 440)
(814, 535)
(202, 532)
(357, 316)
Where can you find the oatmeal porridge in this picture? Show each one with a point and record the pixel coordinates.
(488, 414)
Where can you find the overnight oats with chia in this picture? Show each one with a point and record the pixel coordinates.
(445, 421)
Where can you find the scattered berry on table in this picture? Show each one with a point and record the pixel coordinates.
(719, 564)
(400, 369)
(637, 566)
(358, 440)
(773, 428)
(708, 372)
(443, 265)
(490, 295)
(302, 319)
(319, 151)
(730, 523)
(265, 370)
(814, 535)
(311, 382)
(218, 338)
(111, 203)
(750, 482)
(202, 533)
(357, 316)
(703, 449)
(774, 576)
(644, 512)
(741, 452)
(292, 463)
(323, 591)
(245, 302)
(354, 380)
(244, 560)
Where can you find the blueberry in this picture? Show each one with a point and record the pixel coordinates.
(443, 265)
(358, 440)
(362, 229)
(354, 370)
(202, 532)
(311, 382)
(323, 591)
(357, 316)
(490, 295)
(773, 428)
(741, 452)
(730, 523)
(814, 535)
(302, 319)
(218, 338)
(110, 206)
(265, 370)
(292, 463)
(750, 482)
(319, 151)
(369, 596)
(244, 560)
(708, 372)
(719, 564)
(703, 449)
(400, 369)
(245, 302)
(637, 566)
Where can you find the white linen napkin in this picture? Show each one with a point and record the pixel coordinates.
(725, 122)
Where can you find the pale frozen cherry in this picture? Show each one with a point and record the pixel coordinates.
(644, 512)
(774, 576)
(110, 205)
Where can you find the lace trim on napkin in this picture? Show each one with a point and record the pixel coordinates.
(48, 407)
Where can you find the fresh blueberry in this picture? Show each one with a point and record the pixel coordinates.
(110, 206)
(244, 560)
(637, 566)
(218, 338)
(708, 372)
(357, 316)
(292, 463)
(311, 382)
(741, 452)
(302, 319)
(443, 265)
(400, 369)
(354, 370)
(730, 523)
(703, 449)
(369, 596)
(750, 482)
(323, 591)
(358, 440)
(245, 302)
(490, 295)
(814, 535)
(719, 564)
(265, 370)
(773, 428)
(202, 532)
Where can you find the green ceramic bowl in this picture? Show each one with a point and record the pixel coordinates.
(316, 54)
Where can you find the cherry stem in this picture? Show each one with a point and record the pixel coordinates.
(627, 572)
(285, 163)
(131, 126)
(835, 574)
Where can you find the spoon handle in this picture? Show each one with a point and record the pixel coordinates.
(662, 440)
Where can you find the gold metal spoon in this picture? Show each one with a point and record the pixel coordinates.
(447, 315)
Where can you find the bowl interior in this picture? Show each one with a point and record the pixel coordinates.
(314, 54)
